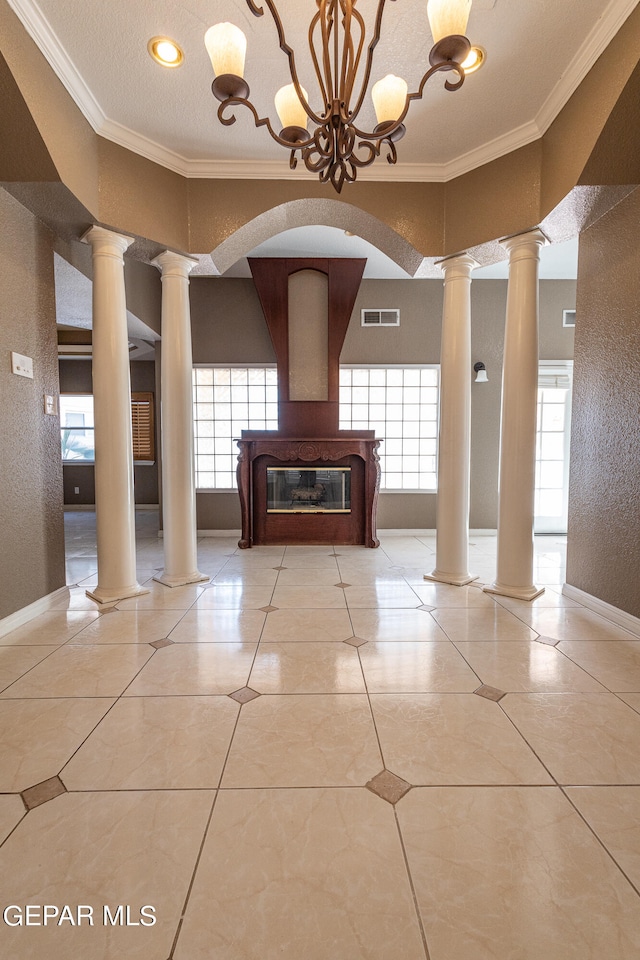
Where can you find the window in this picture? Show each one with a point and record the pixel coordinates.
(552, 447)
(77, 428)
(226, 401)
(401, 405)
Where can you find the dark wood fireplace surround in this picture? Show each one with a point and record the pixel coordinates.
(308, 433)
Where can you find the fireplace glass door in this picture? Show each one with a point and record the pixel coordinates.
(309, 489)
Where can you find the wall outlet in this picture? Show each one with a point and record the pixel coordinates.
(76, 490)
(50, 405)
(22, 366)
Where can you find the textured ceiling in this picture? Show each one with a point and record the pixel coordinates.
(537, 53)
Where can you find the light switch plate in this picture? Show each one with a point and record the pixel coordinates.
(22, 366)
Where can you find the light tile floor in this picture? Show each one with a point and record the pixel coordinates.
(214, 752)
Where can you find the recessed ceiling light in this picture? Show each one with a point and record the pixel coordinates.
(166, 52)
(475, 60)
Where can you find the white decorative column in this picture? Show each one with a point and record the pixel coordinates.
(115, 505)
(178, 474)
(454, 444)
(514, 576)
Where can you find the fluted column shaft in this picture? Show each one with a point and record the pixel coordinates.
(514, 576)
(115, 505)
(178, 473)
(454, 444)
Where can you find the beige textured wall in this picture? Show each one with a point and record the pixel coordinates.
(572, 136)
(495, 200)
(228, 327)
(141, 198)
(31, 516)
(227, 322)
(220, 207)
(604, 495)
(69, 138)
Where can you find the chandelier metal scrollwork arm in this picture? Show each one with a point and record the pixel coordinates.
(337, 148)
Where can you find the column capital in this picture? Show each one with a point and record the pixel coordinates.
(106, 241)
(525, 246)
(172, 264)
(458, 267)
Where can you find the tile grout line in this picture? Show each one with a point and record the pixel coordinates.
(534, 752)
(563, 789)
(204, 836)
(414, 896)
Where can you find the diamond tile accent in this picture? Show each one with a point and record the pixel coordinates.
(490, 693)
(426, 607)
(355, 641)
(388, 786)
(551, 641)
(40, 793)
(159, 644)
(268, 609)
(244, 695)
(343, 585)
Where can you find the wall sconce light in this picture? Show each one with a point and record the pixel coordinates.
(481, 372)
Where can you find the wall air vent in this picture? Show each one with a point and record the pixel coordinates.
(380, 318)
(568, 318)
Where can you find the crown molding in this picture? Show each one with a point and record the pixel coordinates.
(40, 31)
(275, 170)
(596, 43)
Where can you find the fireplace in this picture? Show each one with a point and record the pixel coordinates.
(308, 482)
(281, 504)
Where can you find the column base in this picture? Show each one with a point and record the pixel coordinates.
(113, 594)
(517, 593)
(456, 580)
(181, 581)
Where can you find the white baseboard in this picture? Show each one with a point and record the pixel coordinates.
(620, 617)
(20, 617)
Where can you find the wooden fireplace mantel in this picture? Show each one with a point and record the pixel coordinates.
(260, 449)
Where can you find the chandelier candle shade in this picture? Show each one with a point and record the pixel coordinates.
(336, 147)
(292, 113)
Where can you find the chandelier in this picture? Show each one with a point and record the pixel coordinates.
(337, 148)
